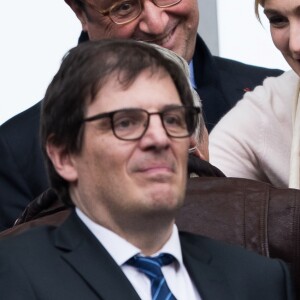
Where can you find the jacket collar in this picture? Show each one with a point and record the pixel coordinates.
(208, 84)
(81, 250)
(209, 281)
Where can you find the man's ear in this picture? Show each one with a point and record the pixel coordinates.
(200, 149)
(81, 15)
(62, 161)
(203, 147)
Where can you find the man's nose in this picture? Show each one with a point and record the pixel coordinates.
(155, 135)
(153, 19)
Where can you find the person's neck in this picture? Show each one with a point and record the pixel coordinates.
(148, 232)
(149, 237)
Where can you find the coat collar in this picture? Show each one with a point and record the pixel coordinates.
(81, 250)
(208, 82)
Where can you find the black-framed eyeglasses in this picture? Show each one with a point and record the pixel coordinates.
(125, 11)
(131, 124)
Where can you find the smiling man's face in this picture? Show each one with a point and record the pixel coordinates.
(174, 28)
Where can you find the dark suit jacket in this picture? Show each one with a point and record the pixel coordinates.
(221, 83)
(69, 263)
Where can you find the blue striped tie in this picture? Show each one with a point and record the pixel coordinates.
(151, 267)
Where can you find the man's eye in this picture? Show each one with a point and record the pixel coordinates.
(125, 123)
(124, 8)
(128, 121)
(174, 120)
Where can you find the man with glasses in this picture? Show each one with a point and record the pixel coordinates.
(172, 24)
(119, 157)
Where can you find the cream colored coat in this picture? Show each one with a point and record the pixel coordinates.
(256, 138)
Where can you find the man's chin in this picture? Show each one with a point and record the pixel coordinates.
(165, 198)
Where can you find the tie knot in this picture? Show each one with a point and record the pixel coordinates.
(151, 266)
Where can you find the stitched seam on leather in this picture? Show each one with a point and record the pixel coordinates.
(264, 238)
(244, 219)
(296, 234)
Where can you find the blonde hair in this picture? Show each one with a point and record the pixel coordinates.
(256, 7)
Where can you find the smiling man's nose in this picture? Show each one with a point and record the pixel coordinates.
(153, 19)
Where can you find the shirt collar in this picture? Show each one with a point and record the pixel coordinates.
(113, 242)
(192, 74)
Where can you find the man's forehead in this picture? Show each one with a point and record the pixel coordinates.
(114, 95)
(104, 3)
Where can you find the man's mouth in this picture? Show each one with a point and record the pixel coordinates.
(157, 174)
(156, 168)
(162, 40)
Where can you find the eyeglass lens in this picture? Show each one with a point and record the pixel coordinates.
(132, 124)
(127, 10)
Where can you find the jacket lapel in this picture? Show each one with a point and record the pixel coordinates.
(208, 83)
(82, 251)
(210, 282)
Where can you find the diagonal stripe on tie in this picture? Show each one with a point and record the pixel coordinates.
(151, 267)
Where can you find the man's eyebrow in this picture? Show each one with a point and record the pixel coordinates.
(172, 105)
(108, 3)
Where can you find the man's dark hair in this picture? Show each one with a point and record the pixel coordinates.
(85, 69)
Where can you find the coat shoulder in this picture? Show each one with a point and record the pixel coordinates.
(25, 242)
(233, 66)
(232, 258)
(25, 122)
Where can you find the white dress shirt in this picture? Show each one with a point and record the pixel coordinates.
(176, 275)
(192, 74)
